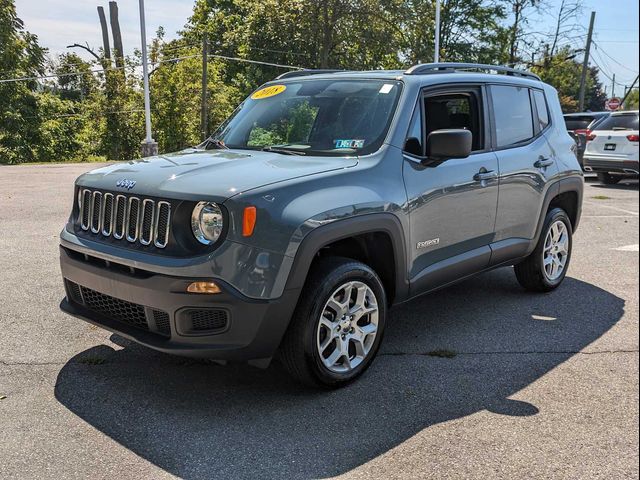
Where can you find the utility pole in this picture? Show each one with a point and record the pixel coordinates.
(149, 147)
(203, 106)
(613, 86)
(436, 52)
(629, 91)
(585, 63)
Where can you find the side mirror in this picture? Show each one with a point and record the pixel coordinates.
(413, 146)
(449, 143)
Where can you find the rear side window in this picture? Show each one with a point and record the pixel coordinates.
(513, 115)
(541, 107)
(619, 122)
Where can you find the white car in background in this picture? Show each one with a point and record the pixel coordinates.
(612, 150)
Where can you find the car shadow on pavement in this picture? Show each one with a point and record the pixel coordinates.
(622, 185)
(198, 420)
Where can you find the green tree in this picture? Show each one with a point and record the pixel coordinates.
(58, 129)
(563, 71)
(631, 103)
(72, 86)
(121, 108)
(176, 94)
(20, 56)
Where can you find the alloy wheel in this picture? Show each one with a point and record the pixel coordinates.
(348, 327)
(556, 250)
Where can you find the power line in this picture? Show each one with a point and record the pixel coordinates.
(601, 50)
(102, 70)
(603, 72)
(66, 115)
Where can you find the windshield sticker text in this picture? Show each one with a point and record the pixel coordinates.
(269, 91)
(349, 143)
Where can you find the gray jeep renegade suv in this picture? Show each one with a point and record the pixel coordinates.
(326, 198)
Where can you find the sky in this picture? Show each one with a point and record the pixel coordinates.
(59, 23)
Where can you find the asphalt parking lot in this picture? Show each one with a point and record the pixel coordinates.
(540, 386)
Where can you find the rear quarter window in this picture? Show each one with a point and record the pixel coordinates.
(541, 107)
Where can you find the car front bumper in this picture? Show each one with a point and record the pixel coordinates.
(156, 310)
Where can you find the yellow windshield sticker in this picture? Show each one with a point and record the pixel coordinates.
(269, 91)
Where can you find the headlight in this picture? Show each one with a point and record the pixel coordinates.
(207, 222)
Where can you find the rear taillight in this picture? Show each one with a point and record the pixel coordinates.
(588, 135)
(633, 138)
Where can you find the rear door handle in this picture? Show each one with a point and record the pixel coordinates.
(543, 162)
(485, 174)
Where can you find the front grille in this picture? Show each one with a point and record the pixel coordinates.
(121, 310)
(162, 322)
(139, 220)
(133, 314)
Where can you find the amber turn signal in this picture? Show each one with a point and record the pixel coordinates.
(248, 221)
(203, 287)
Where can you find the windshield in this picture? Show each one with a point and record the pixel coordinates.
(312, 117)
(627, 121)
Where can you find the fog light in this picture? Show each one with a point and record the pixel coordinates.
(203, 287)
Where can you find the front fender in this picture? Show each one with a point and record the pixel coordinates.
(321, 236)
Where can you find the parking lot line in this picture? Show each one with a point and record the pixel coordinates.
(635, 214)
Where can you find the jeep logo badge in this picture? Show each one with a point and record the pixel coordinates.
(124, 183)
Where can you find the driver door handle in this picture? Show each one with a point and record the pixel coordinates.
(543, 162)
(485, 174)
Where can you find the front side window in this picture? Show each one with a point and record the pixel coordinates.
(313, 117)
(454, 110)
(513, 114)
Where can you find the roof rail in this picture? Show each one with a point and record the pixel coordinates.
(427, 68)
(305, 72)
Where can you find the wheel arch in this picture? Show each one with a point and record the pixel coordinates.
(566, 194)
(343, 235)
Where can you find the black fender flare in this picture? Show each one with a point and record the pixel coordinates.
(569, 184)
(322, 236)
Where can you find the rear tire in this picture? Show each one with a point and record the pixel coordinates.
(545, 269)
(327, 316)
(607, 178)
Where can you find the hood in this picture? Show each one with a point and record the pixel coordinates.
(208, 174)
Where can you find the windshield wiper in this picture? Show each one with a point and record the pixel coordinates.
(283, 150)
(214, 143)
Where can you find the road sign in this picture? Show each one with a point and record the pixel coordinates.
(613, 103)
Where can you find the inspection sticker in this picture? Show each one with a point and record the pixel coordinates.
(386, 88)
(349, 143)
(269, 91)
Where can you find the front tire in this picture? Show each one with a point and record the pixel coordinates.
(337, 326)
(545, 269)
(608, 179)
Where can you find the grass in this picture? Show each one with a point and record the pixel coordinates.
(442, 353)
